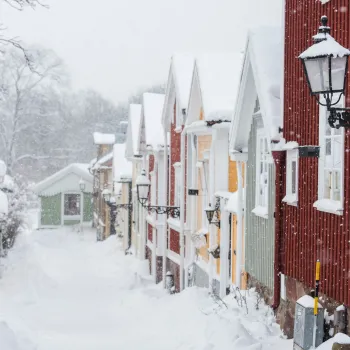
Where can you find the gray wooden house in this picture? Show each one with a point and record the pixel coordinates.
(61, 200)
(255, 134)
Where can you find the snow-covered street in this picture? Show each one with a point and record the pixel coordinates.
(61, 291)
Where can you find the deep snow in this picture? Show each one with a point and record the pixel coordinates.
(63, 291)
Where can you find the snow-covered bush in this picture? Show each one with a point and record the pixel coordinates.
(17, 193)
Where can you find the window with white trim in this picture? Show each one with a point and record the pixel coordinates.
(262, 170)
(177, 187)
(292, 177)
(330, 165)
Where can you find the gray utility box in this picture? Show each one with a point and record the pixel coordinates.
(304, 324)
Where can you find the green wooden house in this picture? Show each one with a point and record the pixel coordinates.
(61, 200)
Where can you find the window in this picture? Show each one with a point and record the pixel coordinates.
(330, 166)
(292, 177)
(71, 204)
(262, 170)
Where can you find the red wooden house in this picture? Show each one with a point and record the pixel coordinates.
(315, 215)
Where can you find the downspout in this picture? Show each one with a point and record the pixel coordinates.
(211, 197)
(154, 237)
(165, 189)
(279, 158)
(182, 209)
(129, 217)
(239, 240)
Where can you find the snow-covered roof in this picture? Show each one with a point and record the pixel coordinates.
(326, 47)
(218, 77)
(179, 85)
(104, 159)
(182, 69)
(152, 113)
(103, 139)
(261, 77)
(132, 134)
(80, 169)
(122, 169)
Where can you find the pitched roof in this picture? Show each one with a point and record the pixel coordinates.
(132, 135)
(182, 69)
(179, 84)
(121, 167)
(103, 139)
(152, 113)
(79, 169)
(218, 76)
(104, 159)
(262, 71)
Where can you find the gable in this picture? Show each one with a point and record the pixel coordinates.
(195, 100)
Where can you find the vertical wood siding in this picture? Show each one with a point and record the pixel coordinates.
(311, 234)
(259, 242)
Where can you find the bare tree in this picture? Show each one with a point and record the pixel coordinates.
(21, 4)
(23, 94)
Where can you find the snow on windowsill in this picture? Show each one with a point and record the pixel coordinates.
(261, 211)
(329, 206)
(174, 224)
(290, 199)
(178, 129)
(291, 145)
(173, 256)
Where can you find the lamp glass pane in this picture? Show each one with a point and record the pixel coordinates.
(143, 191)
(318, 74)
(338, 67)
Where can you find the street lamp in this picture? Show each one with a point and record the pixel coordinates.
(143, 185)
(325, 65)
(82, 185)
(210, 212)
(142, 188)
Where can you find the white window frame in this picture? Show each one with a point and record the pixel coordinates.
(261, 209)
(290, 197)
(330, 205)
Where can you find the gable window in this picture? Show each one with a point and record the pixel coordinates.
(292, 177)
(330, 167)
(262, 174)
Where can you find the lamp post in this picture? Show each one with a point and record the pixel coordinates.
(143, 185)
(82, 186)
(325, 65)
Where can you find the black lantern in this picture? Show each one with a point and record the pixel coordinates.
(210, 211)
(325, 66)
(142, 186)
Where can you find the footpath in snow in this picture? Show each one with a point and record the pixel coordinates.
(61, 291)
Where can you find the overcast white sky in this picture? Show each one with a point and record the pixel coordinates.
(117, 46)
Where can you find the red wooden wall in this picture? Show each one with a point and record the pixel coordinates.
(311, 234)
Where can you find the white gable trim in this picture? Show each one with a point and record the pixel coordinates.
(169, 101)
(248, 92)
(195, 103)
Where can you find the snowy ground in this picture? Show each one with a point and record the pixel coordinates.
(59, 291)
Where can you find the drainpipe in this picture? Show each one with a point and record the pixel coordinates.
(211, 197)
(193, 201)
(129, 216)
(155, 216)
(182, 209)
(279, 158)
(239, 245)
(165, 189)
